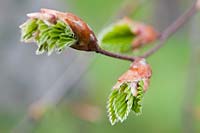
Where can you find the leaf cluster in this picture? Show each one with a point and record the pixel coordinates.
(121, 101)
(49, 37)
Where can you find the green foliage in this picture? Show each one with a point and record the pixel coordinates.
(137, 104)
(49, 37)
(117, 38)
(121, 101)
(110, 107)
(28, 29)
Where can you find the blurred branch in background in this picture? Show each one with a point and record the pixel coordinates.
(129, 7)
(59, 89)
(85, 111)
(190, 96)
(166, 11)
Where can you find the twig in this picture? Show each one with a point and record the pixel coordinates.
(114, 55)
(173, 28)
(166, 34)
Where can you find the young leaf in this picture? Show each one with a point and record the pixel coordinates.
(49, 37)
(127, 35)
(117, 38)
(128, 92)
(110, 107)
(123, 104)
(120, 103)
(28, 28)
(137, 103)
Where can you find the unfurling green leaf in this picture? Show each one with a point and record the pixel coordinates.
(117, 38)
(110, 107)
(137, 104)
(28, 28)
(123, 104)
(49, 37)
(121, 101)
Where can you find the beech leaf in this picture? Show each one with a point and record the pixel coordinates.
(121, 101)
(110, 107)
(117, 38)
(49, 37)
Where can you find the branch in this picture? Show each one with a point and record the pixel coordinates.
(166, 34)
(114, 55)
(173, 28)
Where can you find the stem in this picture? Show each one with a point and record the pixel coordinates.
(173, 28)
(114, 55)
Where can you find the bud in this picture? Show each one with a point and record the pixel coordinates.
(54, 30)
(127, 93)
(145, 34)
(87, 39)
(139, 70)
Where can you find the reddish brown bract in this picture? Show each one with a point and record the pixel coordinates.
(145, 34)
(139, 70)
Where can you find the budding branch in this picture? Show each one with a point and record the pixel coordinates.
(166, 34)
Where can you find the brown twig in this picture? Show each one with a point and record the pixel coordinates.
(172, 29)
(166, 34)
(114, 55)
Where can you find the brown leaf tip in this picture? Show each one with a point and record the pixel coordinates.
(145, 34)
(139, 70)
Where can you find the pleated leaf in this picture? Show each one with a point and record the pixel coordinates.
(121, 101)
(137, 103)
(28, 28)
(49, 37)
(110, 107)
(123, 104)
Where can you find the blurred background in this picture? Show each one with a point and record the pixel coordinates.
(67, 93)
